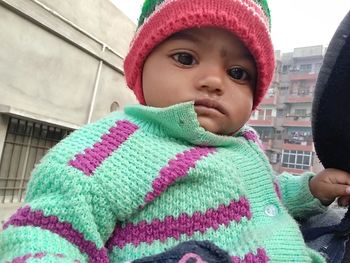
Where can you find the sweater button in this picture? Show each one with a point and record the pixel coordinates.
(271, 210)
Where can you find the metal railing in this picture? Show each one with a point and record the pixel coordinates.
(25, 144)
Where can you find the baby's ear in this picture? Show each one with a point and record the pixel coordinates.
(331, 105)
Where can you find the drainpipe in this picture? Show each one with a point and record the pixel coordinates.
(97, 81)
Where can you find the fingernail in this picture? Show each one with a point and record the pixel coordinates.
(347, 190)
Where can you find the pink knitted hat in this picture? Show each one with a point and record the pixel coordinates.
(249, 20)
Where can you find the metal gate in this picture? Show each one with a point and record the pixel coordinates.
(26, 143)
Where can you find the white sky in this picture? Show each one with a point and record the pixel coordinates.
(295, 23)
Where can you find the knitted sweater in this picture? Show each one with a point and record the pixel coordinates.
(137, 183)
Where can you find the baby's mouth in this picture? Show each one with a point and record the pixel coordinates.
(210, 104)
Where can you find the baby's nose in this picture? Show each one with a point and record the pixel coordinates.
(212, 80)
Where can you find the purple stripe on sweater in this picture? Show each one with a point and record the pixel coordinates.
(24, 259)
(277, 190)
(172, 227)
(252, 136)
(92, 158)
(27, 217)
(259, 257)
(176, 168)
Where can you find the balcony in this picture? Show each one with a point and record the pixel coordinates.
(303, 76)
(299, 98)
(297, 121)
(298, 143)
(269, 100)
(262, 123)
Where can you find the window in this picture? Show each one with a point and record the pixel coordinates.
(265, 133)
(268, 114)
(25, 144)
(283, 91)
(265, 114)
(279, 135)
(261, 114)
(280, 113)
(303, 91)
(285, 69)
(300, 112)
(305, 68)
(296, 159)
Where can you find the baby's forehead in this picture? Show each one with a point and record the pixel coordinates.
(211, 36)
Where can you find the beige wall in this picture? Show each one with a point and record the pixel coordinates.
(53, 50)
(61, 63)
(101, 18)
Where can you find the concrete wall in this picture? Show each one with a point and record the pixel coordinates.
(53, 51)
(61, 63)
(100, 18)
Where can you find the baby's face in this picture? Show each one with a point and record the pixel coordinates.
(208, 66)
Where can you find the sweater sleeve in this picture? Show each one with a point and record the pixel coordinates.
(56, 222)
(68, 213)
(296, 195)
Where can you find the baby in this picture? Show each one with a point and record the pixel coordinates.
(180, 166)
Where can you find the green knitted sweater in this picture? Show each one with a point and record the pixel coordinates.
(137, 183)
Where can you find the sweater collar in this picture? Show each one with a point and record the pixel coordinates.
(177, 121)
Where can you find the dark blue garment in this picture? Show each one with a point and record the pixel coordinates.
(190, 252)
(328, 233)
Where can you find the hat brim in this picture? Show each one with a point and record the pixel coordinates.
(331, 105)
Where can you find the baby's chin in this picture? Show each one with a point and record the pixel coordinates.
(214, 126)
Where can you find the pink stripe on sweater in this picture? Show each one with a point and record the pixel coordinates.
(259, 257)
(277, 190)
(175, 169)
(88, 161)
(24, 258)
(27, 217)
(252, 136)
(171, 227)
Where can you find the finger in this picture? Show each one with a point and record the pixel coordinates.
(336, 190)
(344, 201)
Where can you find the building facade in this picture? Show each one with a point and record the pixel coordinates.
(61, 68)
(283, 119)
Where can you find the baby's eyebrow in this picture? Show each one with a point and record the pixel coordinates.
(229, 53)
(185, 36)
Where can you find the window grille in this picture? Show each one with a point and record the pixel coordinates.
(25, 144)
(297, 159)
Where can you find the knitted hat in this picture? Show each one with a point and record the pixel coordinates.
(331, 108)
(249, 20)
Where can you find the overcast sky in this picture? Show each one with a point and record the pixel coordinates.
(295, 23)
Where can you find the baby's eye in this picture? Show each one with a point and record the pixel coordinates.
(184, 59)
(238, 74)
